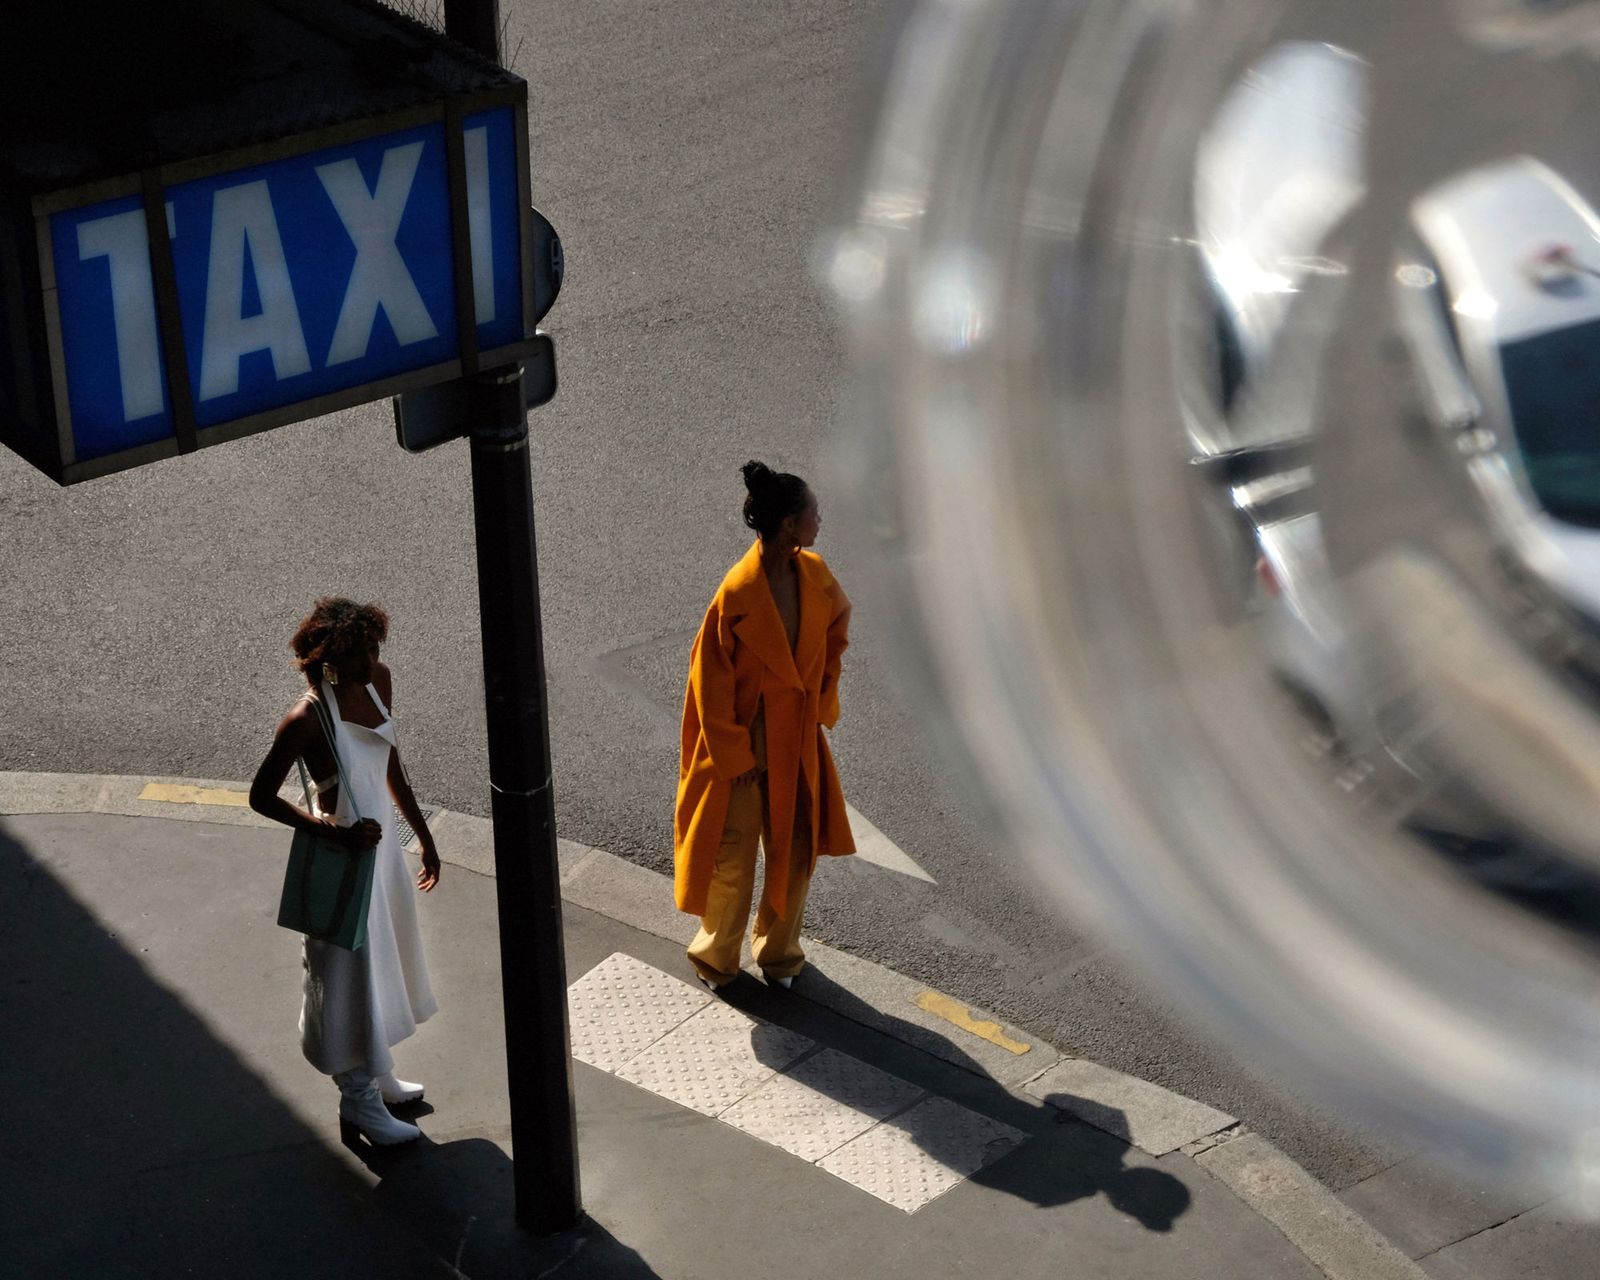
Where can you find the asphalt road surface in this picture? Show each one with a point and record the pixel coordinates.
(687, 153)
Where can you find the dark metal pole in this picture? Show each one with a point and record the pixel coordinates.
(474, 23)
(533, 967)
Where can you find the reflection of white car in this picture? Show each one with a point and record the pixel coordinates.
(1499, 296)
(1281, 168)
(1281, 165)
(1499, 299)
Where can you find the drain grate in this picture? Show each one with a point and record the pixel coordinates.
(402, 828)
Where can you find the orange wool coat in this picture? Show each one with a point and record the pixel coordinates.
(741, 661)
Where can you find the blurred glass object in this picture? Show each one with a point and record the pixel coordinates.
(1229, 410)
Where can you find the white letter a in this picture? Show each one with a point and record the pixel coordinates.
(242, 216)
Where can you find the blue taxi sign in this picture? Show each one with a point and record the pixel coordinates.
(349, 265)
(305, 282)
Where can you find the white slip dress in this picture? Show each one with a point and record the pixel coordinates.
(358, 1004)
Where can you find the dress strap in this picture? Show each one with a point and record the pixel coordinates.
(327, 712)
(323, 786)
(378, 702)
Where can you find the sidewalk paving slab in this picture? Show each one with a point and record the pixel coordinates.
(1152, 1118)
(620, 1008)
(821, 1104)
(1329, 1233)
(1559, 1240)
(1421, 1209)
(713, 1060)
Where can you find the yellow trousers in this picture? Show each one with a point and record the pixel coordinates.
(776, 940)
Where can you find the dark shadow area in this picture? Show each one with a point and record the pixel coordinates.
(1089, 1163)
(458, 1198)
(139, 1145)
(1088, 1145)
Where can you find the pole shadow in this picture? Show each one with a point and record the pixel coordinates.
(458, 1198)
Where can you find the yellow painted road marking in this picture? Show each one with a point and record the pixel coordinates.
(956, 1013)
(178, 793)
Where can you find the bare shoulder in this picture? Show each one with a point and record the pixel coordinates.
(383, 681)
(299, 722)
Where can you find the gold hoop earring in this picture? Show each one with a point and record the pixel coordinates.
(330, 673)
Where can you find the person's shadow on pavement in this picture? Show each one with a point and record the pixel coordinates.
(1090, 1161)
(1090, 1141)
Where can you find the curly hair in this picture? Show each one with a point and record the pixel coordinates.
(335, 631)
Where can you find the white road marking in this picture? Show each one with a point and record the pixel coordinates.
(875, 847)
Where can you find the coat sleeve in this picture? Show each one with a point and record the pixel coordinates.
(711, 684)
(838, 641)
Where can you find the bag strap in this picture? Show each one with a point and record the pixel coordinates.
(326, 721)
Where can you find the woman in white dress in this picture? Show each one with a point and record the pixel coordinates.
(357, 1004)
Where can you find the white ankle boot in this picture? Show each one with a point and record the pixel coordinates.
(361, 1104)
(395, 1091)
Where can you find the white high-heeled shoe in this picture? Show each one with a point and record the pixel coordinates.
(361, 1104)
(396, 1091)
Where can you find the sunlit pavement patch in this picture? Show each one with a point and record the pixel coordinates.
(875, 1131)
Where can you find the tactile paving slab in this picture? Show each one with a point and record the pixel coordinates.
(918, 1155)
(714, 1059)
(820, 1104)
(622, 1006)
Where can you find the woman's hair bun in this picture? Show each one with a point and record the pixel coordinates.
(773, 496)
(757, 475)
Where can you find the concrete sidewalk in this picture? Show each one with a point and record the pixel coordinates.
(165, 1122)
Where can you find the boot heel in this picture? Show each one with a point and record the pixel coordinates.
(361, 1107)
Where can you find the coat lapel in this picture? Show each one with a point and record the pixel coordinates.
(759, 627)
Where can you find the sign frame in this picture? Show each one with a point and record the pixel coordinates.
(151, 184)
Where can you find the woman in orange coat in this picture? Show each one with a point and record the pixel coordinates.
(755, 764)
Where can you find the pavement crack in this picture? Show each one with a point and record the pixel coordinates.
(577, 1248)
(1211, 1141)
(1473, 1235)
(461, 1246)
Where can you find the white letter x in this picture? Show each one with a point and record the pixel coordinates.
(380, 277)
